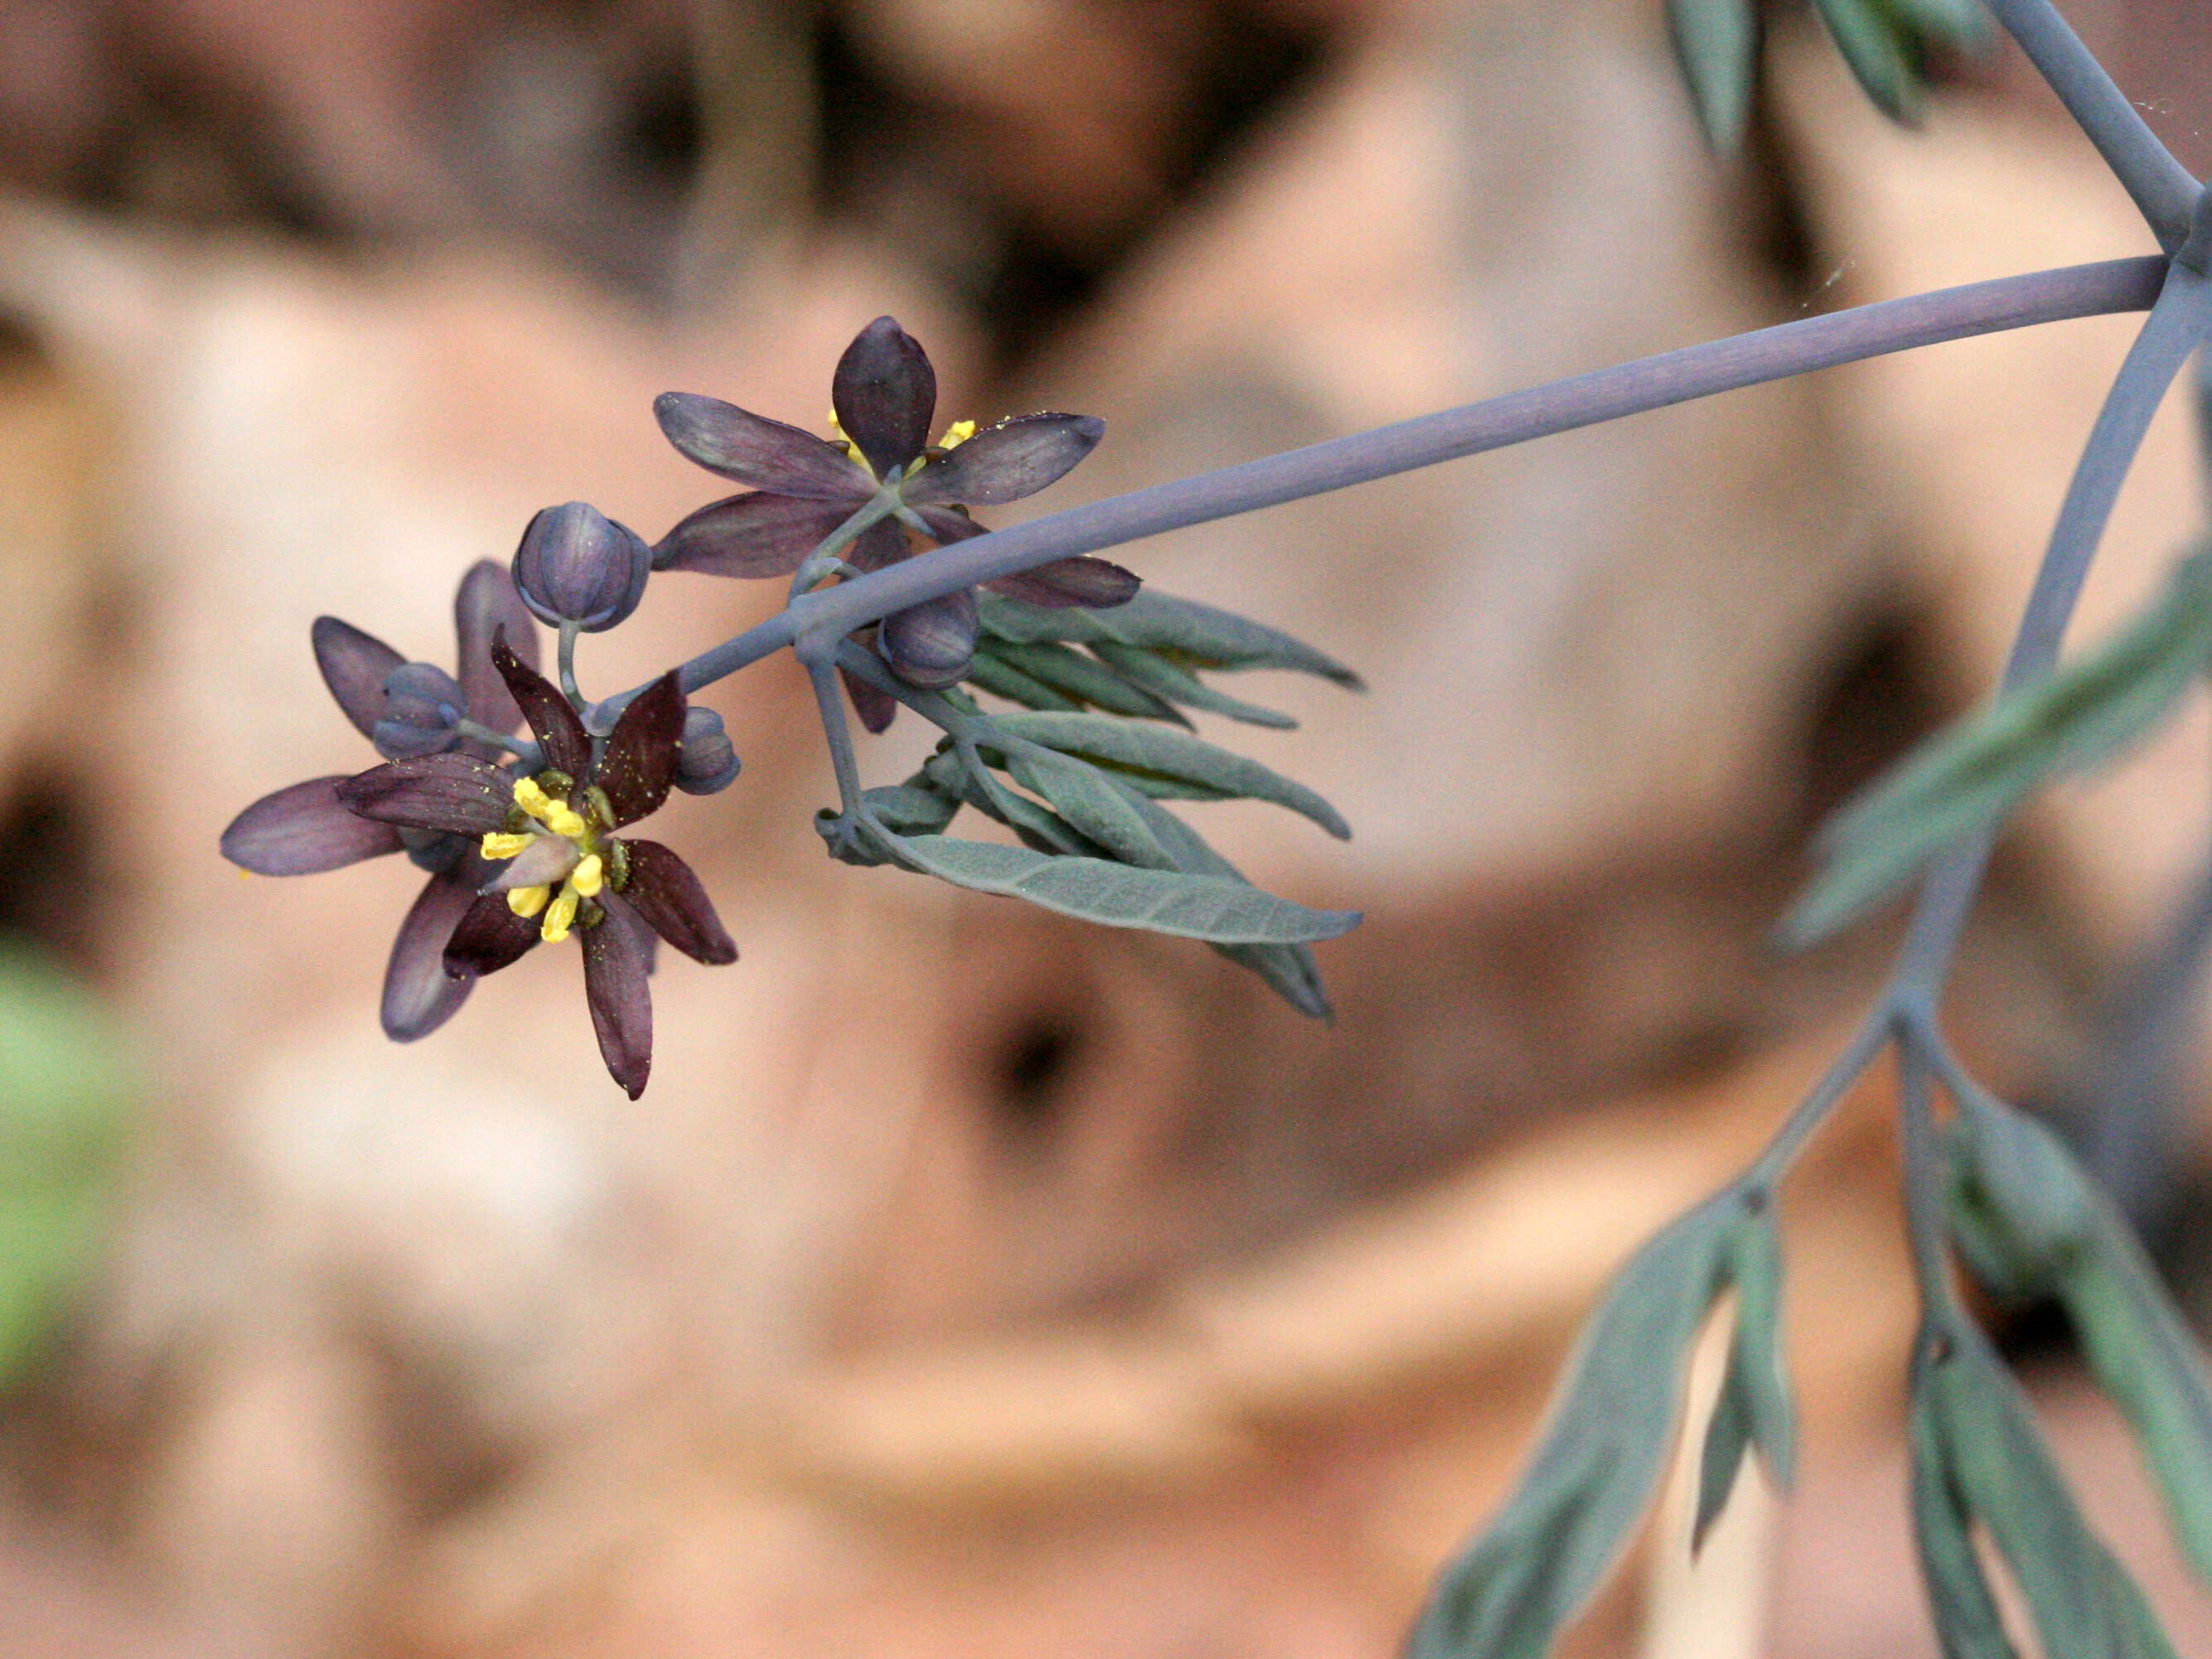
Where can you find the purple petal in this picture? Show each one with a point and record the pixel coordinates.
(762, 534)
(930, 645)
(1005, 462)
(885, 392)
(419, 994)
(485, 604)
(489, 937)
(640, 763)
(753, 450)
(878, 545)
(560, 734)
(877, 707)
(454, 794)
(1093, 583)
(620, 999)
(302, 831)
(354, 664)
(664, 891)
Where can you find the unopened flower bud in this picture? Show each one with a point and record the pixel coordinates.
(422, 707)
(706, 763)
(576, 565)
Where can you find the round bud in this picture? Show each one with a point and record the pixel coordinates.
(705, 763)
(421, 706)
(576, 565)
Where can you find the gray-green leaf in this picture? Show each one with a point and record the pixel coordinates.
(1974, 774)
(1173, 684)
(1755, 1408)
(2085, 1605)
(1163, 761)
(2022, 1204)
(1881, 52)
(1163, 901)
(1716, 43)
(1289, 969)
(1966, 1618)
(1083, 679)
(1197, 635)
(1508, 1593)
(1087, 799)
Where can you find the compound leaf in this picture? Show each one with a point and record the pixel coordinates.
(1506, 1595)
(1968, 778)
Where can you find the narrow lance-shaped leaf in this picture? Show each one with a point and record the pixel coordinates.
(1717, 44)
(1197, 635)
(1084, 796)
(1880, 52)
(994, 674)
(2084, 1604)
(1039, 827)
(1160, 900)
(1974, 774)
(1967, 1622)
(1508, 1593)
(1289, 970)
(1083, 678)
(1166, 763)
(1754, 1407)
(2030, 1223)
(1151, 673)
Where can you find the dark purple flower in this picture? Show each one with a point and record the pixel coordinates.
(884, 397)
(565, 871)
(408, 710)
(576, 565)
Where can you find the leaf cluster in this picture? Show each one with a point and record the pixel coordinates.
(1509, 1593)
(1078, 771)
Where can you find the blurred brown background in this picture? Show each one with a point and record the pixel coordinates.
(968, 1282)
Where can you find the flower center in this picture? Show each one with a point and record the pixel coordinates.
(557, 836)
(955, 435)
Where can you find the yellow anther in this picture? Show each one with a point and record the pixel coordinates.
(589, 876)
(956, 435)
(564, 820)
(531, 799)
(837, 437)
(560, 917)
(528, 901)
(498, 846)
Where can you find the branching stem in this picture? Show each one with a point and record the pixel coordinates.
(2163, 189)
(1674, 377)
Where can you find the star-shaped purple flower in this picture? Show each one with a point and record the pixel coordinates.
(565, 869)
(407, 709)
(883, 396)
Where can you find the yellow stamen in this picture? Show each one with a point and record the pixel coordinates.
(956, 435)
(560, 917)
(531, 799)
(563, 819)
(837, 437)
(498, 846)
(528, 901)
(589, 876)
